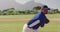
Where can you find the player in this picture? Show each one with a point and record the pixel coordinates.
(39, 20)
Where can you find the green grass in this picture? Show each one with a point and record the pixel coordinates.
(51, 27)
(53, 15)
(29, 16)
(17, 27)
(11, 26)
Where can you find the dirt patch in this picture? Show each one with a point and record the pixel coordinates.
(54, 19)
(19, 19)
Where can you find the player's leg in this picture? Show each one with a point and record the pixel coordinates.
(26, 29)
(34, 30)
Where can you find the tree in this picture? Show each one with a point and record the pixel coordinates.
(36, 8)
(54, 11)
(0, 12)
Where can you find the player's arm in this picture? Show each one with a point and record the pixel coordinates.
(44, 21)
(33, 20)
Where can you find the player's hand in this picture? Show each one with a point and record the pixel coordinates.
(42, 25)
(47, 21)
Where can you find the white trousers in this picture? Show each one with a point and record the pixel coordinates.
(26, 29)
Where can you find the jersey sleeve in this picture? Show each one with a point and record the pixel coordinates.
(42, 20)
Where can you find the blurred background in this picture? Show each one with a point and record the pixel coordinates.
(15, 13)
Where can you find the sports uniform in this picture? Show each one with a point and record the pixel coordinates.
(33, 24)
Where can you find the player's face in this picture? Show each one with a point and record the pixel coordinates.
(45, 10)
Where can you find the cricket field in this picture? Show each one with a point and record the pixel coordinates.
(14, 23)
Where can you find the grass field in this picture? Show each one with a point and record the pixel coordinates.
(29, 16)
(16, 26)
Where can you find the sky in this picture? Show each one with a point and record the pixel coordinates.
(51, 3)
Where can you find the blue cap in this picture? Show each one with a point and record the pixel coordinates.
(45, 6)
